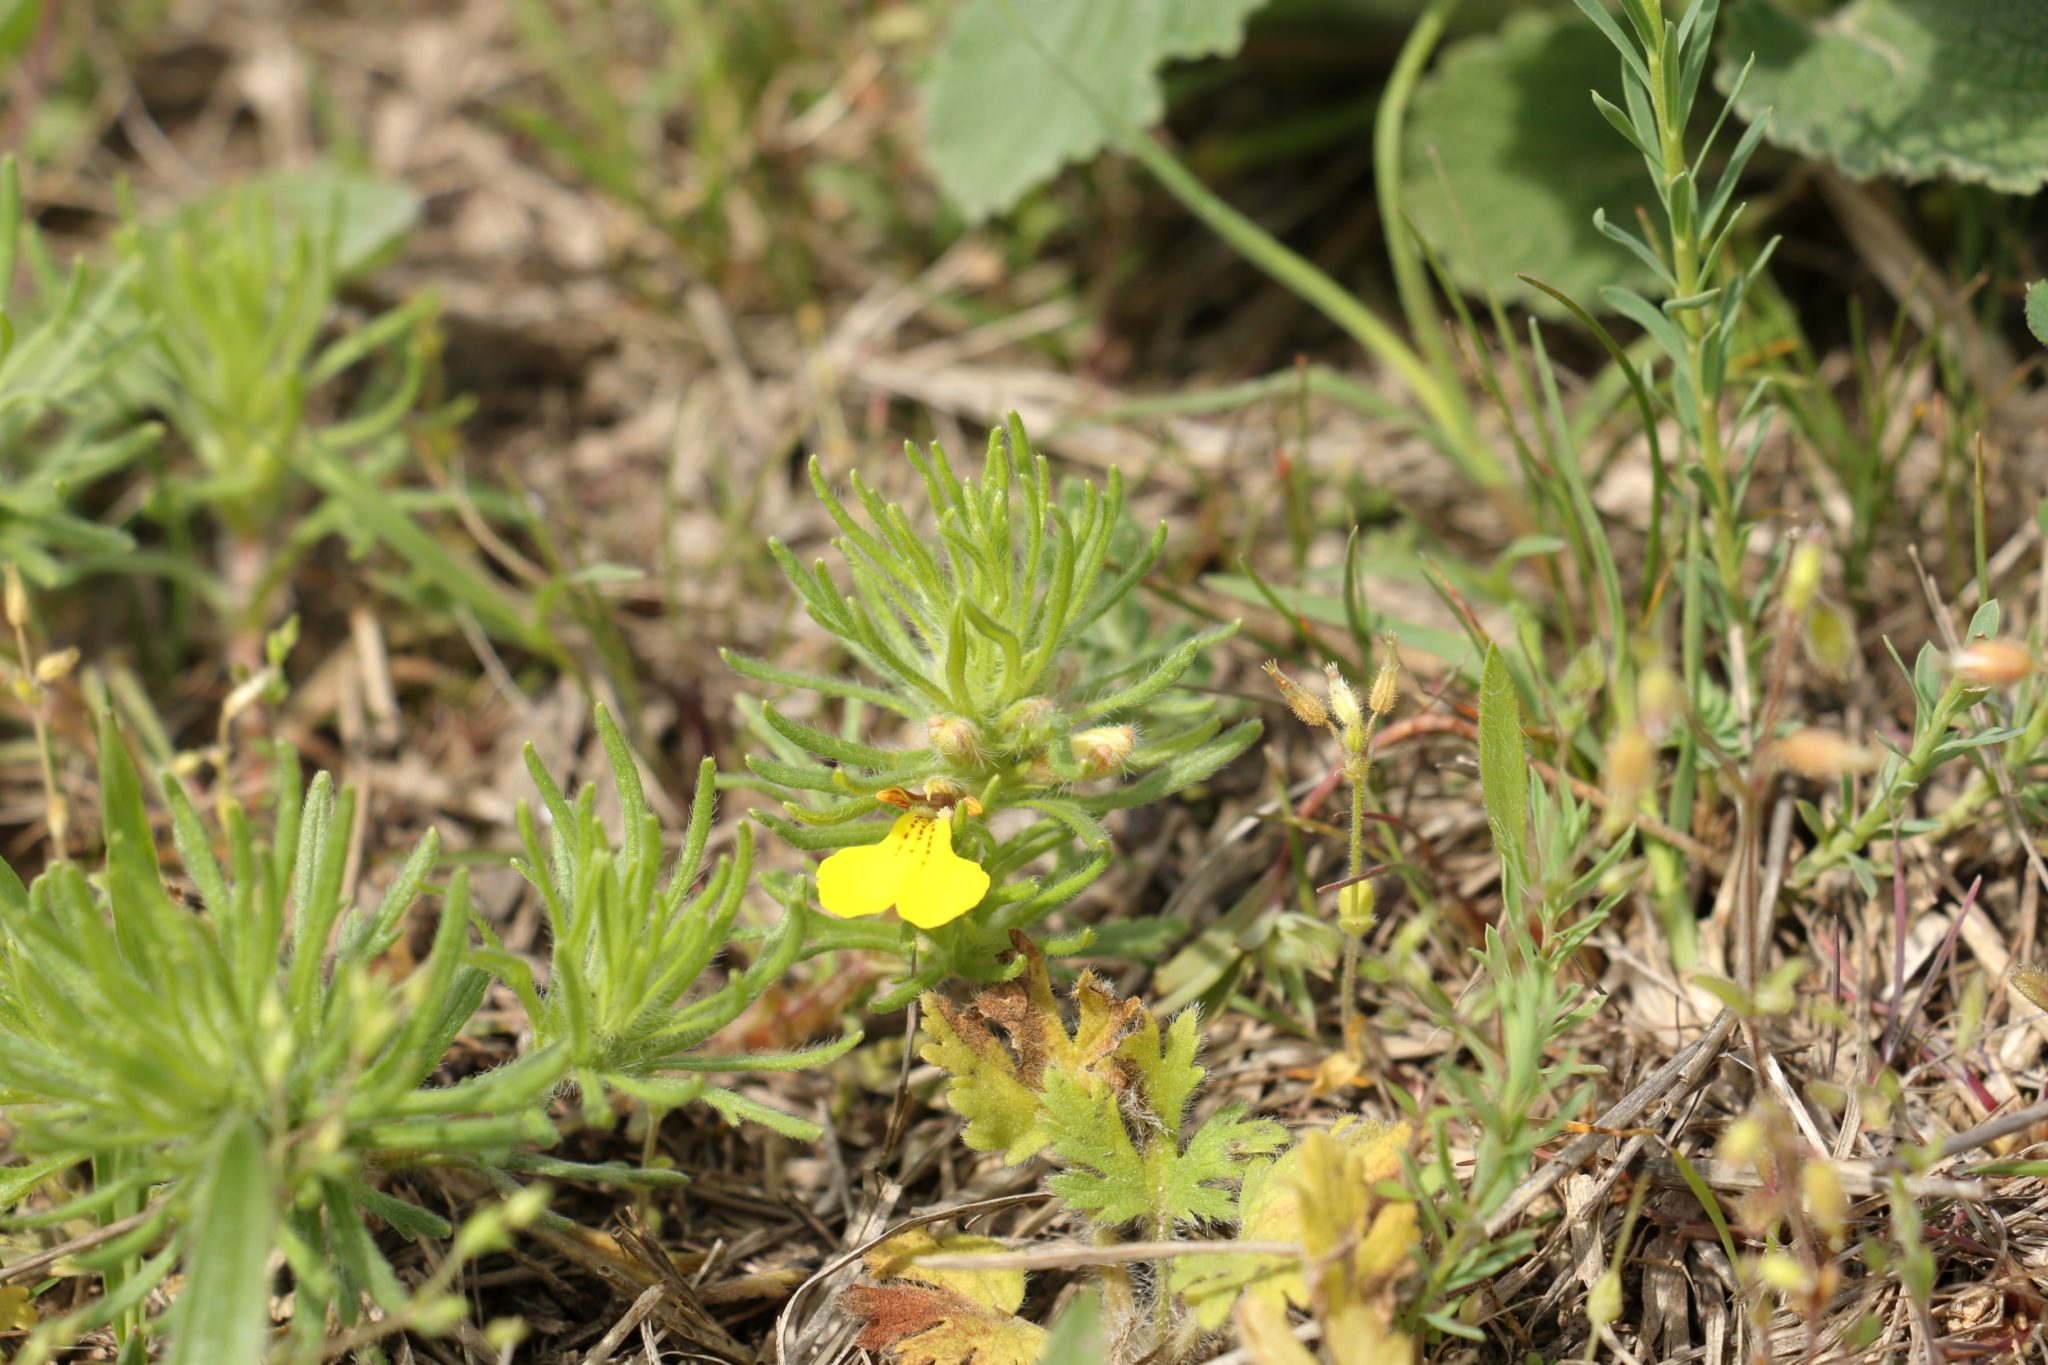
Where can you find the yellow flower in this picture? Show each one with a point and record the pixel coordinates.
(913, 868)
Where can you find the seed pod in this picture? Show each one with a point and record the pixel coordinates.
(1802, 578)
(1631, 765)
(1822, 754)
(1991, 663)
(1822, 1186)
(56, 667)
(1830, 640)
(1357, 908)
(16, 599)
(1386, 684)
(1344, 706)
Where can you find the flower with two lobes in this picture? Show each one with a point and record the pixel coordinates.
(913, 868)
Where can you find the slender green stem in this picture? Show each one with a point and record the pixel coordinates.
(1920, 760)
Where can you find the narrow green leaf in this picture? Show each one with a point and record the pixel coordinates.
(1503, 763)
(222, 1313)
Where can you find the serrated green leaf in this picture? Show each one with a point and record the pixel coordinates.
(986, 1090)
(1910, 88)
(1001, 117)
(1507, 158)
(1503, 762)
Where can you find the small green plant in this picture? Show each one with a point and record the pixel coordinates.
(1005, 681)
(1524, 1083)
(233, 1072)
(59, 340)
(628, 946)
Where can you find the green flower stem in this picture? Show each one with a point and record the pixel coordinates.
(1913, 770)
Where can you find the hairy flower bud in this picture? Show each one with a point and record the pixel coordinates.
(1802, 578)
(1831, 641)
(1631, 765)
(1660, 699)
(1386, 684)
(1344, 704)
(56, 667)
(16, 599)
(1308, 708)
(955, 738)
(1104, 749)
(1991, 663)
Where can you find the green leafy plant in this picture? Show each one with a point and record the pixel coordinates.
(994, 653)
(235, 1071)
(1107, 1101)
(1524, 1082)
(628, 948)
(60, 340)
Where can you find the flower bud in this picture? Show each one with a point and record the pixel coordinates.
(1822, 754)
(1344, 702)
(1660, 699)
(56, 667)
(1822, 1187)
(1991, 663)
(1357, 908)
(1802, 578)
(1307, 706)
(1027, 716)
(1631, 764)
(955, 738)
(1104, 749)
(16, 599)
(1831, 641)
(1386, 684)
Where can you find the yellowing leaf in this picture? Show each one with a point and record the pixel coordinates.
(1268, 1338)
(996, 1087)
(922, 1325)
(896, 1259)
(17, 1309)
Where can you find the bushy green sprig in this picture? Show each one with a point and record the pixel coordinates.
(628, 946)
(235, 1070)
(999, 662)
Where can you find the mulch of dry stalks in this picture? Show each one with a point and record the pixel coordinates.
(658, 417)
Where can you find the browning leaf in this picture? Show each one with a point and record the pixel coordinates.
(924, 1325)
(896, 1259)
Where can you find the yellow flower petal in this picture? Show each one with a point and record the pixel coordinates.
(938, 884)
(863, 880)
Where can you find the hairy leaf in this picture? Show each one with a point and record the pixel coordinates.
(2037, 310)
(1911, 88)
(1020, 87)
(1507, 160)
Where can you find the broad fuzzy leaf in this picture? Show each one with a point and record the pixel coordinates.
(1020, 87)
(1506, 160)
(922, 1325)
(1911, 88)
